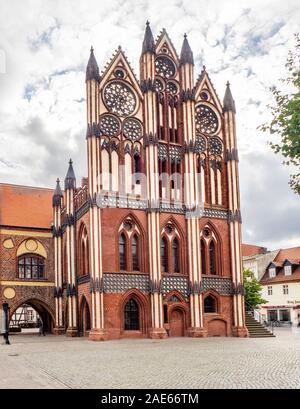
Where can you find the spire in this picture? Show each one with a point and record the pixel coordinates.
(186, 55)
(228, 102)
(148, 43)
(92, 69)
(57, 195)
(70, 179)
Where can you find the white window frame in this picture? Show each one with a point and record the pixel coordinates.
(288, 270)
(272, 272)
(270, 290)
(285, 289)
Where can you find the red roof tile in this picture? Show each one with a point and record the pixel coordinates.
(24, 206)
(251, 250)
(292, 254)
(280, 277)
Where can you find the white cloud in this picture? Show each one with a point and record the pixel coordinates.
(42, 107)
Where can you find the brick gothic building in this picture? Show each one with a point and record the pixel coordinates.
(134, 252)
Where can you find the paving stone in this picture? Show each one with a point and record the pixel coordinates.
(60, 362)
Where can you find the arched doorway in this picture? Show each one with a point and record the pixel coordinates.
(84, 318)
(176, 323)
(24, 318)
(134, 314)
(131, 316)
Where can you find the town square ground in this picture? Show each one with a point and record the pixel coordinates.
(59, 362)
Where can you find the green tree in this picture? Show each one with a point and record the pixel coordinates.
(252, 290)
(286, 116)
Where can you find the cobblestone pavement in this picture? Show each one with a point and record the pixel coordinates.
(60, 362)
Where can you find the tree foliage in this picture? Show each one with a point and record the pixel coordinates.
(286, 116)
(252, 290)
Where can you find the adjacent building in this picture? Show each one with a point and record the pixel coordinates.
(281, 287)
(279, 273)
(256, 259)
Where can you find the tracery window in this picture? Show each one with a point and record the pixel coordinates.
(171, 245)
(203, 257)
(212, 258)
(31, 267)
(165, 67)
(132, 129)
(164, 254)
(206, 120)
(109, 125)
(175, 255)
(130, 244)
(119, 98)
(210, 252)
(215, 146)
(122, 252)
(134, 252)
(83, 252)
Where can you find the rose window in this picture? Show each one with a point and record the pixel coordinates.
(119, 98)
(132, 129)
(165, 67)
(109, 125)
(200, 144)
(206, 120)
(215, 146)
(159, 86)
(172, 88)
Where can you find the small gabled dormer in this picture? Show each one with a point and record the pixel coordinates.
(272, 269)
(289, 266)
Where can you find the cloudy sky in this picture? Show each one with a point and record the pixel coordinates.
(44, 48)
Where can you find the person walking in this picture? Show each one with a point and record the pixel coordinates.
(41, 327)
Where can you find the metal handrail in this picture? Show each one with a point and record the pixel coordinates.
(250, 309)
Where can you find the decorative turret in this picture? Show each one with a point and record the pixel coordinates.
(228, 102)
(70, 180)
(92, 69)
(148, 43)
(57, 195)
(186, 55)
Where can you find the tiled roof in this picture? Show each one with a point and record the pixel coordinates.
(290, 254)
(251, 250)
(280, 277)
(293, 255)
(24, 206)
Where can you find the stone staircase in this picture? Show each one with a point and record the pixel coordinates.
(255, 328)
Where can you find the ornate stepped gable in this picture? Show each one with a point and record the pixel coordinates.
(152, 227)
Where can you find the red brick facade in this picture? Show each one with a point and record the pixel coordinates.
(25, 231)
(152, 257)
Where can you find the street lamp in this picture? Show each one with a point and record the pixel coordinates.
(5, 322)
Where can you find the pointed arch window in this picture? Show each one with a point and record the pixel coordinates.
(122, 252)
(83, 252)
(175, 255)
(65, 264)
(137, 167)
(210, 304)
(203, 257)
(135, 253)
(137, 163)
(131, 316)
(164, 254)
(212, 258)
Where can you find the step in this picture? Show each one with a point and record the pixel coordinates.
(256, 329)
